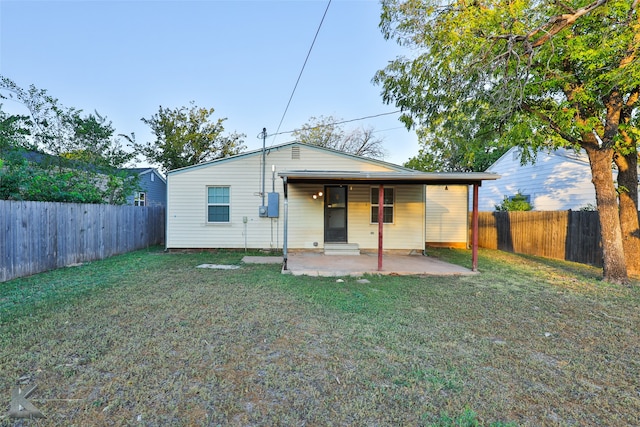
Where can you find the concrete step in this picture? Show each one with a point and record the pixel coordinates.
(347, 249)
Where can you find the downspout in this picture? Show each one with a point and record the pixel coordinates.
(286, 223)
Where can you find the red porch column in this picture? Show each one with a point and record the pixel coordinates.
(380, 223)
(474, 225)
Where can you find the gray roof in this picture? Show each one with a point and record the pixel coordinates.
(409, 177)
(258, 152)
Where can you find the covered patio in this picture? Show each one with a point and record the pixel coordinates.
(381, 263)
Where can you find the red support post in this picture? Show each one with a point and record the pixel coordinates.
(380, 224)
(474, 225)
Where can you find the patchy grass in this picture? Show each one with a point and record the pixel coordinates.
(148, 339)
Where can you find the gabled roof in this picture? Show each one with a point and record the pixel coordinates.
(144, 171)
(287, 145)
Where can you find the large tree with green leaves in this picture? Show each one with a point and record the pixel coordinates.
(188, 136)
(53, 153)
(327, 132)
(93, 141)
(455, 153)
(538, 73)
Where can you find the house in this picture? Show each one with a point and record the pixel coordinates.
(558, 180)
(152, 189)
(296, 196)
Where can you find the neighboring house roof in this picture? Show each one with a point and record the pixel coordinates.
(144, 171)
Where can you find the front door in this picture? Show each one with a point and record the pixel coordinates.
(335, 214)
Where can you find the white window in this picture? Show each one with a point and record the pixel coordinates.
(218, 204)
(387, 213)
(140, 199)
(153, 177)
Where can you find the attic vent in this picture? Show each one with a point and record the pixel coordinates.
(295, 153)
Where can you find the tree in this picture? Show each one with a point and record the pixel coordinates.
(56, 154)
(539, 74)
(452, 155)
(14, 130)
(188, 136)
(519, 202)
(92, 141)
(326, 132)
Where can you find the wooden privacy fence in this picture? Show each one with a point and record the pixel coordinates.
(41, 236)
(566, 235)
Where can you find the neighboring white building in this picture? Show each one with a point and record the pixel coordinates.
(558, 180)
(319, 196)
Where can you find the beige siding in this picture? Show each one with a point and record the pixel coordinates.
(446, 214)
(306, 217)
(187, 225)
(407, 229)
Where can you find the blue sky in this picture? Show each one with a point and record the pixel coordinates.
(126, 58)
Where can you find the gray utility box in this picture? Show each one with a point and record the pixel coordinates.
(273, 205)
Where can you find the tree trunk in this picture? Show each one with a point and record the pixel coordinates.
(614, 265)
(628, 195)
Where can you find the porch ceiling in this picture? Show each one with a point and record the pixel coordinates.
(355, 177)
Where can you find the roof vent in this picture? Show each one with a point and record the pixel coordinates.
(295, 153)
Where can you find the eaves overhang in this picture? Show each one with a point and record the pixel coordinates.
(375, 177)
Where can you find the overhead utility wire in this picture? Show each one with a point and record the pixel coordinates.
(303, 65)
(344, 121)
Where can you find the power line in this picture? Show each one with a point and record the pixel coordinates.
(302, 70)
(344, 121)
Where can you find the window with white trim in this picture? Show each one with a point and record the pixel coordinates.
(387, 208)
(218, 204)
(140, 199)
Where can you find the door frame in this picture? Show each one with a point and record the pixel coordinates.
(326, 209)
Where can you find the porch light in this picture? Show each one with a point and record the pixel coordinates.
(316, 195)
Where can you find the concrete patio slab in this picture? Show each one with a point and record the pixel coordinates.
(315, 264)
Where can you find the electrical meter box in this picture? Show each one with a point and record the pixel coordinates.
(273, 205)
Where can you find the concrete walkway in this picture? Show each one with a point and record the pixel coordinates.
(315, 264)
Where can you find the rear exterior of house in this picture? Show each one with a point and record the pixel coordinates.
(219, 204)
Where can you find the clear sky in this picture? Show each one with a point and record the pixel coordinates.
(126, 58)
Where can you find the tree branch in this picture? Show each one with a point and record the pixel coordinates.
(553, 125)
(553, 26)
(560, 22)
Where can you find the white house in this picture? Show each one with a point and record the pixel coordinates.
(302, 197)
(558, 180)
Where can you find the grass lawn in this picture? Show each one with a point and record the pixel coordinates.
(148, 339)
